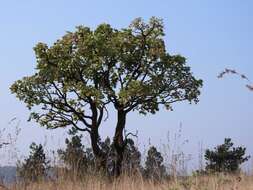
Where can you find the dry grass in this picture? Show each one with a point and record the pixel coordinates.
(219, 182)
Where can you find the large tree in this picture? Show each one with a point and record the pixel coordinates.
(86, 70)
(137, 74)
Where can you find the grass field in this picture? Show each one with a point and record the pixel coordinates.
(218, 182)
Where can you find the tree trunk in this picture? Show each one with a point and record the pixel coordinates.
(119, 141)
(98, 153)
(100, 157)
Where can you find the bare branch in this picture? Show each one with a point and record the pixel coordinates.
(129, 133)
(234, 72)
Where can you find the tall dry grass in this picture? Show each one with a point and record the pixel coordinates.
(214, 182)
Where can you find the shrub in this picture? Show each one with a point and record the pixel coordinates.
(76, 159)
(36, 166)
(154, 167)
(225, 157)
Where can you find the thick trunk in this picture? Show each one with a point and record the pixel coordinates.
(119, 141)
(99, 155)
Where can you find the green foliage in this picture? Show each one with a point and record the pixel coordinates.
(128, 67)
(225, 157)
(154, 167)
(77, 160)
(140, 75)
(36, 166)
(131, 158)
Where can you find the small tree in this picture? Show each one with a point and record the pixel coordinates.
(131, 159)
(74, 156)
(36, 166)
(225, 157)
(154, 167)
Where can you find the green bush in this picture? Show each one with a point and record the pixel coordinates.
(225, 157)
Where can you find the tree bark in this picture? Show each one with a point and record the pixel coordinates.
(98, 153)
(100, 157)
(119, 141)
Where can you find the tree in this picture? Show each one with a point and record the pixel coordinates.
(80, 74)
(74, 156)
(131, 158)
(225, 157)
(36, 166)
(131, 162)
(139, 75)
(154, 167)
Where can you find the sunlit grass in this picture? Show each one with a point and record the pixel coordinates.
(214, 182)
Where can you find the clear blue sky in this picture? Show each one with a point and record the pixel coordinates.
(212, 35)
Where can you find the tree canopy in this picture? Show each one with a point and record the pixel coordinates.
(129, 66)
(140, 74)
